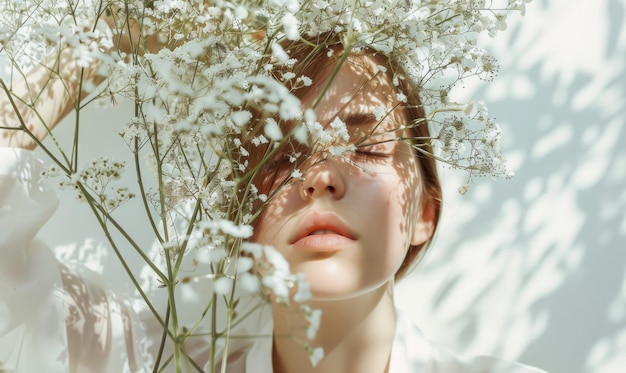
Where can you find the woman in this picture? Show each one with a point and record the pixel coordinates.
(353, 221)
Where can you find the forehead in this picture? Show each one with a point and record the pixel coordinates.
(361, 90)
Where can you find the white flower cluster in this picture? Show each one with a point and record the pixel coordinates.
(32, 30)
(472, 139)
(332, 140)
(277, 277)
(226, 53)
(97, 182)
(215, 82)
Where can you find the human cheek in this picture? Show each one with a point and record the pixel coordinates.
(390, 219)
(275, 217)
(383, 215)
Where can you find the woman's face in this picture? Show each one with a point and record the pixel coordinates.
(348, 223)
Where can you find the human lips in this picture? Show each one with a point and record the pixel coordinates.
(322, 231)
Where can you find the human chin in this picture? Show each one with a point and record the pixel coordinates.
(334, 279)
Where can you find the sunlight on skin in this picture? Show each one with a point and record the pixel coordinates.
(459, 320)
(58, 75)
(360, 185)
(373, 195)
(57, 103)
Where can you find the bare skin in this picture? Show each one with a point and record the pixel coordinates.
(31, 106)
(347, 227)
(357, 335)
(357, 330)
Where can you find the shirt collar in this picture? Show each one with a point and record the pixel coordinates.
(410, 352)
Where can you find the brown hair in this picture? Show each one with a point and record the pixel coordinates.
(312, 56)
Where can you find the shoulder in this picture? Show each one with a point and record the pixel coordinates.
(415, 353)
(445, 361)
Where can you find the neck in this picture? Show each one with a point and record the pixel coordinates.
(356, 335)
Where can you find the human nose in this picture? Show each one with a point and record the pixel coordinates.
(323, 177)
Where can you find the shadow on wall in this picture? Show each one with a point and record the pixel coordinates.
(534, 268)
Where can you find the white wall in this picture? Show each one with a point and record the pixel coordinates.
(531, 268)
(535, 268)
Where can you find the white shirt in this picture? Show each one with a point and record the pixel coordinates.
(56, 319)
(411, 352)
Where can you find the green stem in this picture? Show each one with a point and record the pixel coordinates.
(142, 191)
(214, 334)
(24, 128)
(162, 343)
(97, 209)
(77, 120)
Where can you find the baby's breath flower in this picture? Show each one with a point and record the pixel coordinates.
(290, 23)
(220, 62)
(315, 354)
(379, 112)
(314, 318)
(272, 130)
(223, 286)
(303, 292)
(226, 227)
(306, 81)
(254, 249)
(296, 174)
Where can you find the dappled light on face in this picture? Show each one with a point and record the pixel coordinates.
(365, 173)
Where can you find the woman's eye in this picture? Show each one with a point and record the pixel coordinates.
(369, 153)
